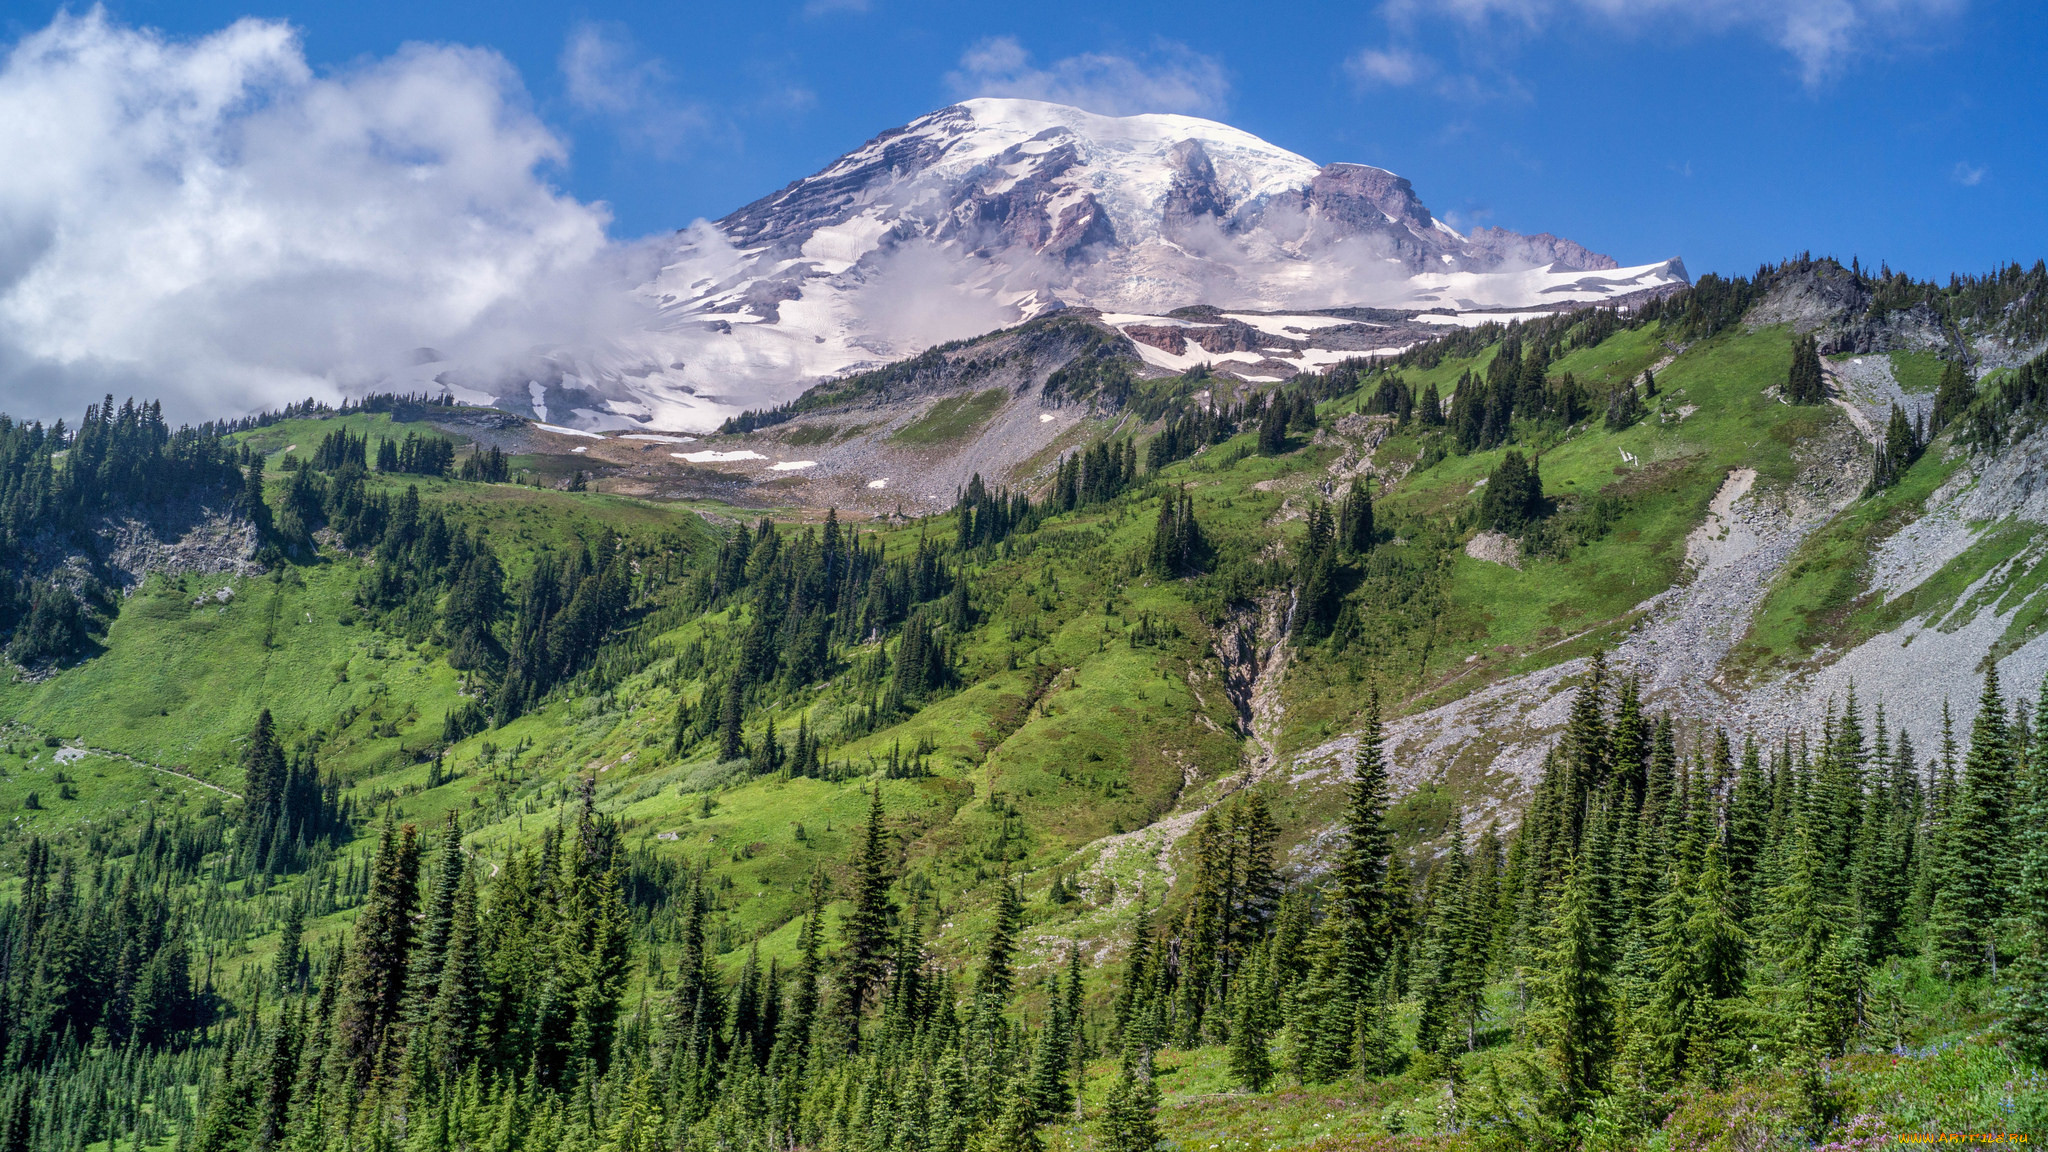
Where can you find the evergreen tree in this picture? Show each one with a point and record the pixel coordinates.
(1128, 1121)
(430, 948)
(1970, 888)
(1804, 382)
(1576, 1023)
(373, 983)
(1355, 530)
(2026, 998)
(1952, 396)
(1273, 427)
(866, 931)
(1513, 498)
(457, 1009)
(1178, 546)
(1251, 1060)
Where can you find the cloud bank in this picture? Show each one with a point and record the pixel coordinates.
(210, 222)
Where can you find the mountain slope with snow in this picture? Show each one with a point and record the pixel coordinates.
(992, 211)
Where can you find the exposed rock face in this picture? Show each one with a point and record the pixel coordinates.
(196, 535)
(787, 218)
(1513, 248)
(1195, 194)
(1828, 302)
(1354, 200)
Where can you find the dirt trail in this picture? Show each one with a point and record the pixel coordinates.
(71, 752)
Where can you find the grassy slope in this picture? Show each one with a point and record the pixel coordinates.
(952, 418)
(1512, 621)
(1121, 732)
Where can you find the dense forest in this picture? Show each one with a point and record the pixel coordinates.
(1673, 909)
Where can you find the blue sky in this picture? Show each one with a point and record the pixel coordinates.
(1725, 131)
(232, 203)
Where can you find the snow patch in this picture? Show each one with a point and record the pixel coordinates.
(558, 430)
(792, 465)
(714, 457)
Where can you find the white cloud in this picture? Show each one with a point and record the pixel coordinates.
(1967, 174)
(1819, 34)
(209, 222)
(604, 74)
(1172, 78)
(1394, 67)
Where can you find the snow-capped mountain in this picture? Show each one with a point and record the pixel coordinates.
(994, 210)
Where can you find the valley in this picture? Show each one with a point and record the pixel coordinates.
(1243, 759)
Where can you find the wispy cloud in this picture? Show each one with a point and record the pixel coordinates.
(605, 74)
(1392, 67)
(1169, 78)
(817, 8)
(1967, 174)
(1820, 35)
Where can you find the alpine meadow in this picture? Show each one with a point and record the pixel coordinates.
(1302, 675)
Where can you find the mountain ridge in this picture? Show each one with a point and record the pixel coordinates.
(985, 213)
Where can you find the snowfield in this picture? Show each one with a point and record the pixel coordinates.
(989, 212)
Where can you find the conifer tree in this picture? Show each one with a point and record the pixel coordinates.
(1016, 1126)
(423, 982)
(1355, 530)
(1952, 396)
(1970, 893)
(1364, 905)
(1178, 546)
(730, 715)
(793, 1038)
(1452, 974)
(2026, 998)
(373, 984)
(1273, 427)
(992, 983)
(1128, 1116)
(457, 1009)
(252, 504)
(1804, 382)
(1513, 498)
(1251, 1060)
(1576, 1023)
(866, 930)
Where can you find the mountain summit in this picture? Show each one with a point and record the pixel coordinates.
(992, 211)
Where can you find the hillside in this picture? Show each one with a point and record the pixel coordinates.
(1590, 730)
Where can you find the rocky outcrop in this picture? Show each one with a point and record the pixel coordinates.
(1195, 195)
(1498, 247)
(788, 217)
(1083, 227)
(1363, 198)
(199, 534)
(1829, 301)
